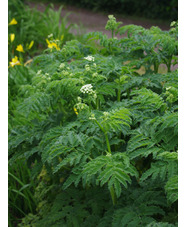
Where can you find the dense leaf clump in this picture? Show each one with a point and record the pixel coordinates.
(98, 133)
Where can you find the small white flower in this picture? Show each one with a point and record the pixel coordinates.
(94, 65)
(81, 106)
(87, 89)
(92, 117)
(50, 36)
(168, 88)
(62, 65)
(95, 74)
(87, 67)
(39, 72)
(95, 96)
(79, 99)
(173, 23)
(106, 114)
(89, 58)
(108, 155)
(65, 73)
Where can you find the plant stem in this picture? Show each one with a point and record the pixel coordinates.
(156, 67)
(97, 103)
(108, 144)
(106, 136)
(113, 195)
(112, 33)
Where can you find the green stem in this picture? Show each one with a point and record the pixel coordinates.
(108, 144)
(113, 195)
(102, 129)
(156, 67)
(106, 136)
(97, 104)
(112, 33)
(128, 93)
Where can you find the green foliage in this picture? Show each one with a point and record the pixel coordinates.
(99, 139)
(171, 189)
(20, 191)
(33, 25)
(113, 169)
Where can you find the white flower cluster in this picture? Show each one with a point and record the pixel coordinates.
(39, 72)
(62, 65)
(108, 154)
(168, 88)
(89, 58)
(105, 115)
(81, 106)
(92, 117)
(87, 67)
(87, 89)
(50, 36)
(43, 75)
(65, 73)
(95, 74)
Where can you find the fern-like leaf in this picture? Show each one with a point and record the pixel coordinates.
(171, 189)
(114, 170)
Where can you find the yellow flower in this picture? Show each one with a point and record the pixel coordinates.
(13, 21)
(52, 45)
(20, 48)
(15, 61)
(12, 37)
(31, 44)
(75, 110)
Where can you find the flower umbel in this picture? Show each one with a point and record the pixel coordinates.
(15, 61)
(50, 36)
(39, 72)
(87, 89)
(112, 25)
(13, 21)
(20, 48)
(62, 66)
(87, 67)
(89, 58)
(92, 117)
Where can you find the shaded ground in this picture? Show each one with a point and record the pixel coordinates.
(92, 21)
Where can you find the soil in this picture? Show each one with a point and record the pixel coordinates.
(95, 21)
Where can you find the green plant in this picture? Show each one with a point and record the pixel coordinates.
(101, 137)
(20, 191)
(33, 27)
